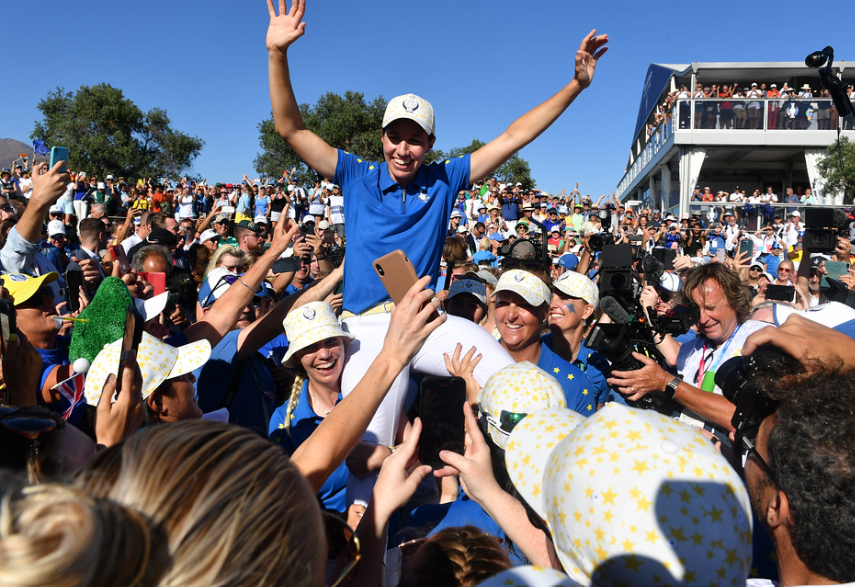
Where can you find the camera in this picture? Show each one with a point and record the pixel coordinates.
(743, 381)
(822, 227)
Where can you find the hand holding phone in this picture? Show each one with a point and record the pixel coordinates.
(441, 411)
(59, 154)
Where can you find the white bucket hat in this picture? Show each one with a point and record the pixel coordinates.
(516, 390)
(412, 107)
(529, 576)
(525, 284)
(157, 360)
(631, 496)
(306, 325)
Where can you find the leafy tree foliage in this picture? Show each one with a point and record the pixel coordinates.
(106, 133)
(348, 122)
(839, 177)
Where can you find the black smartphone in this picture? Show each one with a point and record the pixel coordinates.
(441, 410)
(7, 319)
(287, 265)
(746, 247)
(73, 283)
(130, 340)
(780, 293)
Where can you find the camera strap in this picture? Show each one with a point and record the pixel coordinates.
(701, 370)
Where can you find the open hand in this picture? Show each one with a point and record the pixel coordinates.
(590, 51)
(287, 27)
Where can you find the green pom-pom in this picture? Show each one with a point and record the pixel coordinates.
(106, 320)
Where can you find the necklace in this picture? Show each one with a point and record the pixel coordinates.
(316, 404)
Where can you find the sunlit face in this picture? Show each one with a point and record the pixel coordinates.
(178, 399)
(230, 262)
(405, 145)
(323, 361)
(718, 320)
(518, 321)
(567, 313)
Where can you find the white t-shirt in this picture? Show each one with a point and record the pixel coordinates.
(689, 361)
(25, 184)
(337, 209)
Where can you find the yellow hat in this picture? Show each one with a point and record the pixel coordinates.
(22, 286)
(633, 497)
(306, 325)
(157, 360)
(517, 390)
(412, 107)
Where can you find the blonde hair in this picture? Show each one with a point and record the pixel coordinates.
(55, 535)
(234, 509)
(219, 254)
(296, 389)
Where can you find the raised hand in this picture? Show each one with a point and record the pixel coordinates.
(287, 27)
(590, 51)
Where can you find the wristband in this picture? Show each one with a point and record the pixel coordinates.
(671, 389)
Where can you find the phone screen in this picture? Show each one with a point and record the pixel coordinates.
(59, 154)
(835, 270)
(746, 247)
(73, 283)
(441, 411)
(780, 293)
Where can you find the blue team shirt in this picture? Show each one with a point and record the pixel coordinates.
(594, 365)
(382, 217)
(579, 392)
(304, 421)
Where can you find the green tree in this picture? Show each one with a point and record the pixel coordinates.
(106, 133)
(839, 175)
(345, 122)
(352, 124)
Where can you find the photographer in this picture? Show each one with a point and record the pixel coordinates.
(723, 326)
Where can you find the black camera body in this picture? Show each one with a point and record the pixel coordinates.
(743, 381)
(822, 227)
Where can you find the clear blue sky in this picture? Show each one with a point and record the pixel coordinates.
(481, 63)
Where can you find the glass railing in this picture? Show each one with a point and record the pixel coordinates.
(757, 114)
(657, 139)
(756, 216)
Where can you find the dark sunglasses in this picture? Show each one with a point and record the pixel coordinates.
(343, 549)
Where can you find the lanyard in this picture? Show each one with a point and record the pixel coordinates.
(701, 369)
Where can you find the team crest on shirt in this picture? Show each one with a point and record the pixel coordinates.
(423, 197)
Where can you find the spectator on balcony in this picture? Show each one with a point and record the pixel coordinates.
(808, 197)
(710, 108)
(753, 108)
(685, 114)
(773, 96)
(707, 196)
(726, 107)
(791, 198)
(739, 113)
(699, 105)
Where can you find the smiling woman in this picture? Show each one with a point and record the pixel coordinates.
(317, 352)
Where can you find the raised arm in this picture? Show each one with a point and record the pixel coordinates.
(527, 127)
(281, 33)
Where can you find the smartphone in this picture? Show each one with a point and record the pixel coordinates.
(720, 256)
(130, 340)
(59, 154)
(835, 269)
(781, 293)
(287, 265)
(120, 257)
(157, 279)
(7, 319)
(227, 209)
(73, 283)
(441, 410)
(396, 273)
(746, 247)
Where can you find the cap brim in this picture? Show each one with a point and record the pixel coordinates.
(152, 307)
(310, 337)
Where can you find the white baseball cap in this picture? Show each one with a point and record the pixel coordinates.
(413, 108)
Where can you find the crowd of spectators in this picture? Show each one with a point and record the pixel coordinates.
(236, 384)
(740, 106)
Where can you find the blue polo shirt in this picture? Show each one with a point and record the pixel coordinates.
(304, 421)
(594, 365)
(253, 404)
(580, 394)
(382, 217)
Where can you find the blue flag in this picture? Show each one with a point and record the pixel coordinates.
(39, 148)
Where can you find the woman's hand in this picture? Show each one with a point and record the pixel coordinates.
(590, 51)
(395, 485)
(115, 421)
(463, 368)
(286, 28)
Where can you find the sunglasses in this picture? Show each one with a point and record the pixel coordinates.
(751, 449)
(30, 427)
(343, 549)
(37, 299)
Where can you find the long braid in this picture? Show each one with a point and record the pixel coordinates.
(296, 388)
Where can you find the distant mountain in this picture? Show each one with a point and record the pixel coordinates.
(9, 149)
